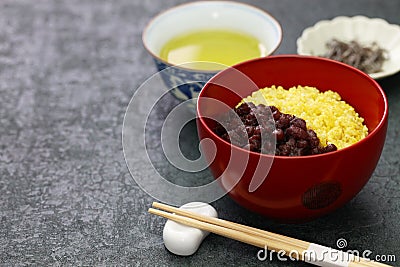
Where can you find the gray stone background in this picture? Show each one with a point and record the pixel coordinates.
(68, 69)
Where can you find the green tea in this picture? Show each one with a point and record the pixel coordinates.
(220, 46)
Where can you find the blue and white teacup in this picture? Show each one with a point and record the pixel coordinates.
(184, 81)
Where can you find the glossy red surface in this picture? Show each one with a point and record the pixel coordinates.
(295, 188)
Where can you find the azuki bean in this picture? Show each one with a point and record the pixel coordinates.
(290, 132)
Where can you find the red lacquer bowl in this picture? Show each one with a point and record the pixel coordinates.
(295, 188)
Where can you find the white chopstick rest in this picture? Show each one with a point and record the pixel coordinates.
(184, 240)
(327, 257)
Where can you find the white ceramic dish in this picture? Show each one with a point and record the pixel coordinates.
(360, 28)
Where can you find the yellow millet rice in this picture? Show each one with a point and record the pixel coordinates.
(334, 121)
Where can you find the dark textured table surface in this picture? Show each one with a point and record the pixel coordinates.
(67, 72)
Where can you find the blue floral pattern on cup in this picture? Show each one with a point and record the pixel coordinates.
(184, 83)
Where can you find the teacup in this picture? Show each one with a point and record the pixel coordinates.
(186, 80)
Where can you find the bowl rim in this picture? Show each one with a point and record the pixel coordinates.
(382, 121)
(207, 2)
(301, 48)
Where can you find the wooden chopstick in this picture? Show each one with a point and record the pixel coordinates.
(216, 229)
(245, 234)
(295, 243)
